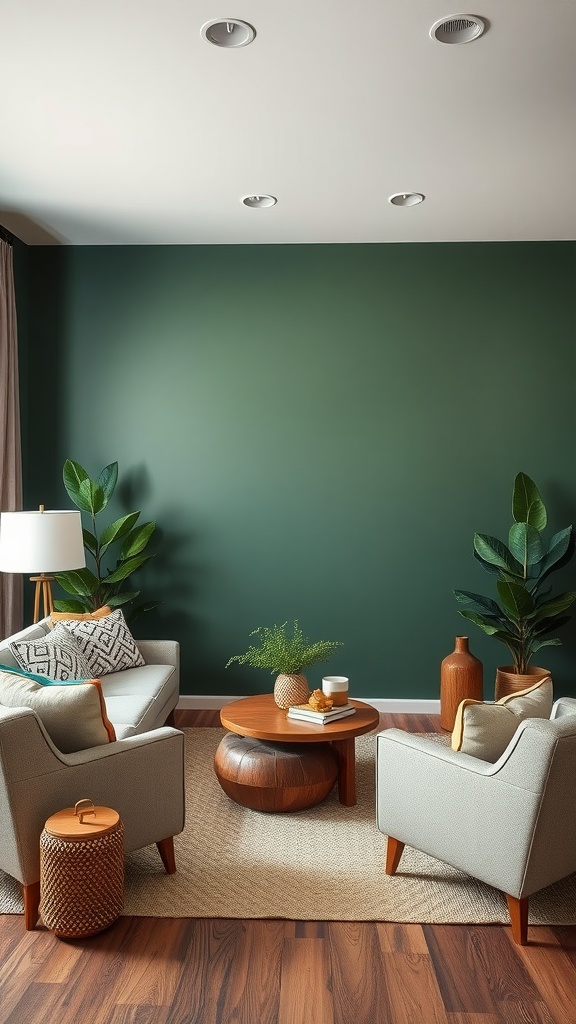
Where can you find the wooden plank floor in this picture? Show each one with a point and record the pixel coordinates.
(186, 971)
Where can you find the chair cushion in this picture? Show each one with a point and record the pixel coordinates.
(106, 643)
(484, 729)
(57, 655)
(72, 712)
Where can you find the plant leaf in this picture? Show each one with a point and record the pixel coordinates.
(107, 480)
(527, 505)
(555, 606)
(116, 530)
(554, 642)
(525, 543)
(482, 603)
(141, 609)
(118, 599)
(480, 620)
(80, 582)
(492, 551)
(90, 542)
(137, 540)
(559, 547)
(517, 602)
(74, 476)
(72, 606)
(124, 569)
(92, 494)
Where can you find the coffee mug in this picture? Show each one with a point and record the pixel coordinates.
(336, 687)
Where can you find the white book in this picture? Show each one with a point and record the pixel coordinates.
(320, 717)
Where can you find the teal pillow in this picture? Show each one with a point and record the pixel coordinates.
(43, 680)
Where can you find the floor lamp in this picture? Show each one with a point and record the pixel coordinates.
(43, 543)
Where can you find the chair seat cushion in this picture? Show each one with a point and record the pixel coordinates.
(484, 730)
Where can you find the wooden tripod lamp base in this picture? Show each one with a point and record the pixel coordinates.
(44, 587)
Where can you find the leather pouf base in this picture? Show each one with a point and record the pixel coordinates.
(275, 777)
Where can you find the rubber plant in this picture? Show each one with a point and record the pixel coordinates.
(124, 541)
(527, 614)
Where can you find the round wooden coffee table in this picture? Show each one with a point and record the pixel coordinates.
(260, 718)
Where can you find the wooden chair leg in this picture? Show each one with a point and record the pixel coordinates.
(518, 909)
(166, 851)
(31, 895)
(394, 850)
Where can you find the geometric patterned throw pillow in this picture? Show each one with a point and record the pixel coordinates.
(107, 644)
(57, 655)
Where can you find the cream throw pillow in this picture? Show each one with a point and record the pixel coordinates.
(485, 730)
(73, 713)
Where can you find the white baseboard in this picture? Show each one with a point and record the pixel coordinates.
(387, 705)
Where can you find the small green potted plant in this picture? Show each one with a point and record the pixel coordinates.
(527, 614)
(286, 655)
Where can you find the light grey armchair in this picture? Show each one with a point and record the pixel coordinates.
(511, 824)
(141, 776)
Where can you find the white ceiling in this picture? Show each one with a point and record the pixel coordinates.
(120, 124)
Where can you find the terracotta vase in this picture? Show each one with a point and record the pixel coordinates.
(508, 681)
(290, 690)
(460, 679)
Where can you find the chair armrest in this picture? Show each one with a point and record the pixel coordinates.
(563, 706)
(433, 748)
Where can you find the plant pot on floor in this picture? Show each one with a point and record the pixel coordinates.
(508, 681)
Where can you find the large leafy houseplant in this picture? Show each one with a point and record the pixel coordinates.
(527, 614)
(124, 540)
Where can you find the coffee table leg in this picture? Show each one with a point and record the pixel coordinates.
(346, 754)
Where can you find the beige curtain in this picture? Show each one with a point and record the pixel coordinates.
(10, 451)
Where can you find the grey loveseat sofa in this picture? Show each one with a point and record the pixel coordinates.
(140, 773)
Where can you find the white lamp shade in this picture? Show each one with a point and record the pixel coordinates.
(35, 542)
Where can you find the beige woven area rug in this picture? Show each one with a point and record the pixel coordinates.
(323, 864)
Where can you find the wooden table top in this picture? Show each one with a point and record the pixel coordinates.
(260, 717)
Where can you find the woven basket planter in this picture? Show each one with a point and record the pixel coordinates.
(290, 690)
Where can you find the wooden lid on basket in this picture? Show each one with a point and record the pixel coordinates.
(82, 820)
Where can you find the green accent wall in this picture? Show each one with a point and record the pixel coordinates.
(318, 431)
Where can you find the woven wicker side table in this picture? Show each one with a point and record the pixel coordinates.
(81, 870)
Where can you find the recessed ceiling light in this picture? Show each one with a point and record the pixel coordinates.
(458, 28)
(228, 32)
(259, 202)
(406, 198)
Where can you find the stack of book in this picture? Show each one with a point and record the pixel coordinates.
(304, 713)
